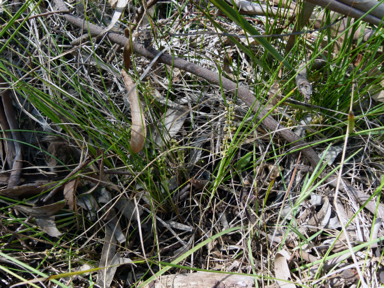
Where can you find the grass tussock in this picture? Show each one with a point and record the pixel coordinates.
(260, 156)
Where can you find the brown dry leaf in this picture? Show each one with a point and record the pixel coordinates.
(43, 211)
(282, 270)
(274, 171)
(48, 225)
(138, 131)
(69, 194)
(25, 190)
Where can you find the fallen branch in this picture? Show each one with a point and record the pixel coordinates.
(347, 10)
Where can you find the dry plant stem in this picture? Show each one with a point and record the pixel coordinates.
(202, 280)
(375, 232)
(243, 93)
(141, 236)
(318, 19)
(336, 206)
(367, 33)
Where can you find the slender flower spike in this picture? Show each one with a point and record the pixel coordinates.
(351, 122)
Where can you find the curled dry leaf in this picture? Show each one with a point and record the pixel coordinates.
(42, 211)
(113, 223)
(282, 270)
(48, 225)
(88, 203)
(111, 270)
(138, 131)
(69, 194)
(26, 190)
(322, 217)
